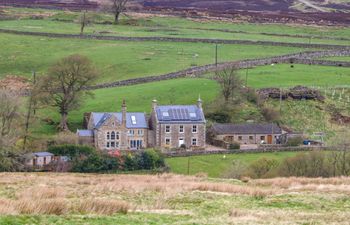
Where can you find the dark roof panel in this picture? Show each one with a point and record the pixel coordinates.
(180, 113)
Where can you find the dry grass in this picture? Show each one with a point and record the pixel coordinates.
(235, 189)
(102, 206)
(89, 194)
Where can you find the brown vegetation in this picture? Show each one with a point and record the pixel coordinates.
(59, 194)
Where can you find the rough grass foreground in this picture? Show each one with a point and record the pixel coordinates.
(184, 199)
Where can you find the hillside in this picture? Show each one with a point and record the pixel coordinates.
(293, 11)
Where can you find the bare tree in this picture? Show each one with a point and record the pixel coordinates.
(84, 21)
(65, 85)
(116, 7)
(229, 81)
(9, 115)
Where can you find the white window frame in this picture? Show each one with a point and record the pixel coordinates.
(183, 129)
(194, 140)
(194, 129)
(167, 138)
(166, 129)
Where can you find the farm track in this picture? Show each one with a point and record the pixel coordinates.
(171, 39)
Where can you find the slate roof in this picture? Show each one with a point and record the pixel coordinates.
(180, 113)
(42, 154)
(100, 117)
(85, 133)
(249, 128)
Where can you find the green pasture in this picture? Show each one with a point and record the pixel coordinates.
(120, 60)
(151, 30)
(217, 165)
(287, 75)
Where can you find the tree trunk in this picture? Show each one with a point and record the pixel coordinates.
(116, 18)
(64, 122)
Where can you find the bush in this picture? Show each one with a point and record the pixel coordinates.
(72, 151)
(270, 114)
(295, 141)
(234, 146)
(219, 117)
(262, 167)
(151, 159)
(312, 164)
(236, 170)
(98, 162)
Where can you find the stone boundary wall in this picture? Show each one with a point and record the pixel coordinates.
(238, 151)
(302, 58)
(172, 39)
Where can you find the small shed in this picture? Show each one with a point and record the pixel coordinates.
(39, 159)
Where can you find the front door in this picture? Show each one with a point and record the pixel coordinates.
(269, 139)
(181, 142)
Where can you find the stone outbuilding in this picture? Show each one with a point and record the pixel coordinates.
(249, 133)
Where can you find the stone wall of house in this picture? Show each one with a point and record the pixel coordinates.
(187, 135)
(248, 138)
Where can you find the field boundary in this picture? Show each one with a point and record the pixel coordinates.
(240, 151)
(171, 39)
(300, 58)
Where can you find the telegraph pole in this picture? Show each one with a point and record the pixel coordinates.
(216, 55)
(31, 103)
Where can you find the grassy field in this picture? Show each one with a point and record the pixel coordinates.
(217, 165)
(146, 25)
(283, 75)
(118, 60)
(39, 198)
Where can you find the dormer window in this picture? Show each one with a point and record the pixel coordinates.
(133, 120)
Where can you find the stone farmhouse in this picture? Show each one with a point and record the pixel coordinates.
(176, 126)
(250, 133)
(168, 127)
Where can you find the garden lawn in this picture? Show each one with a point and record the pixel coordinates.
(217, 165)
(120, 60)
